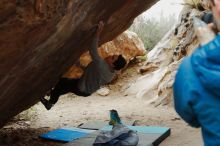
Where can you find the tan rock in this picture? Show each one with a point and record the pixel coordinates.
(74, 72)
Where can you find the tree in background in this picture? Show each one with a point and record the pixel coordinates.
(151, 31)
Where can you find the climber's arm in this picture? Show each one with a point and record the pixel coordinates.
(93, 50)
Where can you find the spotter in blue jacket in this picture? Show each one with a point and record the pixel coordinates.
(197, 91)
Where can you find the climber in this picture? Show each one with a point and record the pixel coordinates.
(96, 74)
(197, 87)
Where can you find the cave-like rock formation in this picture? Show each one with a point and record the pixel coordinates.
(41, 39)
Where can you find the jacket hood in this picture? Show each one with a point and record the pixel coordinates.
(206, 64)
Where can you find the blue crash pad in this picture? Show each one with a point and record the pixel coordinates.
(148, 136)
(142, 129)
(65, 134)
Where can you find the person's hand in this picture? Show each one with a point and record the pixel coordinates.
(213, 27)
(100, 28)
(216, 13)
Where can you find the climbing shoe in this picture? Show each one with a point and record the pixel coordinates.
(46, 103)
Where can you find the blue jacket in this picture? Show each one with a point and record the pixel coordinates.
(197, 91)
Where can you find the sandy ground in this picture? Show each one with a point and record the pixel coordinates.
(72, 110)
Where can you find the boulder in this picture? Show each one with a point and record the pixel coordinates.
(41, 39)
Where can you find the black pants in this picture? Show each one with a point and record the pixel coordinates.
(64, 86)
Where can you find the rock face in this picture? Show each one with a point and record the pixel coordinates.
(127, 44)
(163, 61)
(41, 39)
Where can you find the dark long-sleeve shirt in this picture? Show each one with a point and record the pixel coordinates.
(97, 73)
